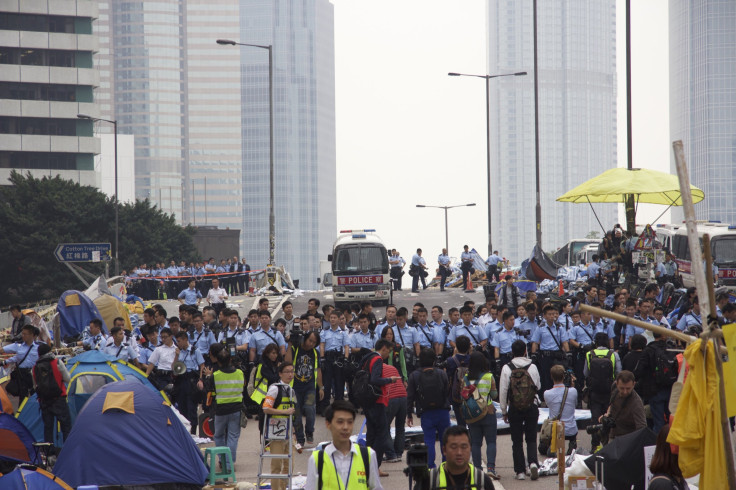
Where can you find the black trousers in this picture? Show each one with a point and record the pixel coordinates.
(377, 434)
(444, 273)
(396, 276)
(598, 405)
(493, 272)
(523, 426)
(334, 381)
(185, 401)
(59, 410)
(466, 273)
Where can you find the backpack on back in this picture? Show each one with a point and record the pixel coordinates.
(47, 386)
(364, 393)
(458, 382)
(666, 367)
(475, 405)
(522, 390)
(429, 388)
(600, 375)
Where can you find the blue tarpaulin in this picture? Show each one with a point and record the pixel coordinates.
(75, 312)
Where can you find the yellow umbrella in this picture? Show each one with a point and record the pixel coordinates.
(617, 184)
(647, 186)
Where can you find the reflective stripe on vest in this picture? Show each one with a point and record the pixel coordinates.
(286, 401)
(229, 387)
(443, 478)
(259, 394)
(356, 479)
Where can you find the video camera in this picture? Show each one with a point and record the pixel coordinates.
(417, 460)
(607, 423)
(523, 333)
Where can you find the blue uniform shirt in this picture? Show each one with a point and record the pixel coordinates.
(566, 321)
(190, 296)
(381, 326)
(689, 320)
(442, 332)
(260, 339)
(172, 271)
(531, 325)
(405, 337)
(474, 330)
(94, 341)
(491, 328)
(583, 334)
(606, 327)
(360, 340)
(548, 337)
(242, 336)
(466, 256)
(192, 358)
(422, 332)
(145, 352)
(504, 339)
(632, 330)
(335, 340)
(493, 259)
(593, 269)
(124, 351)
(20, 350)
(443, 259)
(418, 260)
(202, 340)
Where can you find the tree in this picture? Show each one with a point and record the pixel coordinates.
(38, 214)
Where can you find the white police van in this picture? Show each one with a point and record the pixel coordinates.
(360, 268)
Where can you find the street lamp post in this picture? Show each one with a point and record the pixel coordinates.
(488, 136)
(117, 201)
(271, 215)
(447, 247)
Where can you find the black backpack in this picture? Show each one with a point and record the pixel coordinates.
(430, 388)
(600, 373)
(47, 387)
(666, 367)
(364, 393)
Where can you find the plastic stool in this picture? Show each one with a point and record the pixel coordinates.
(213, 452)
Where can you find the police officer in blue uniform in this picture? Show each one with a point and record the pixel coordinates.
(26, 355)
(418, 271)
(188, 386)
(492, 262)
(424, 332)
(444, 262)
(94, 338)
(405, 336)
(582, 340)
(201, 337)
(395, 261)
(334, 349)
(550, 346)
(469, 328)
(502, 341)
(442, 331)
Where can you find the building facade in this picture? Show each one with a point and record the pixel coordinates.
(302, 35)
(577, 118)
(46, 79)
(702, 37)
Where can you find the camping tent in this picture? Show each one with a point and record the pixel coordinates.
(5, 405)
(32, 478)
(16, 442)
(89, 371)
(75, 312)
(132, 423)
(110, 308)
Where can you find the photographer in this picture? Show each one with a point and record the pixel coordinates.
(626, 409)
(456, 473)
(307, 384)
(554, 398)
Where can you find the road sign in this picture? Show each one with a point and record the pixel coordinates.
(83, 252)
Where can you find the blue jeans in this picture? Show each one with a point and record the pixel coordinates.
(227, 432)
(434, 423)
(484, 428)
(658, 405)
(305, 405)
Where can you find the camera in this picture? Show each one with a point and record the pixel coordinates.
(523, 333)
(296, 337)
(607, 423)
(417, 469)
(569, 378)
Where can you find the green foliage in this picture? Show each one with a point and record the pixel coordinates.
(38, 214)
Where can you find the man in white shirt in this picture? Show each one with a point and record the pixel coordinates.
(162, 358)
(216, 296)
(341, 458)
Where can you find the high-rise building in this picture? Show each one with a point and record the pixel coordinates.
(166, 81)
(302, 35)
(577, 118)
(703, 100)
(46, 79)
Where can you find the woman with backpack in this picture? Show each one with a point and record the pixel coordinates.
(396, 358)
(480, 377)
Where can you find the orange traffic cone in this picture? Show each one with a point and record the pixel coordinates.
(470, 284)
(561, 290)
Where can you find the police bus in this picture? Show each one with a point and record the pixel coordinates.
(722, 247)
(360, 268)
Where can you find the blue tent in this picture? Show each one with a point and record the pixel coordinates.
(89, 371)
(16, 443)
(75, 312)
(32, 478)
(132, 425)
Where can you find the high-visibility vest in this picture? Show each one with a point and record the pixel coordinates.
(600, 353)
(286, 402)
(293, 361)
(259, 394)
(229, 387)
(438, 477)
(357, 478)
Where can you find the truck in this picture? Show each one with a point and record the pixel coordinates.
(360, 268)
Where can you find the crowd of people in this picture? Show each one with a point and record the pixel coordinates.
(520, 350)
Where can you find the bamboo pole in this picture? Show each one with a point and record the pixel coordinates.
(706, 298)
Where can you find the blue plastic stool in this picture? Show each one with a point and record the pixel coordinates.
(211, 463)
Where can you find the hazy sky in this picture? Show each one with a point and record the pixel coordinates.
(408, 134)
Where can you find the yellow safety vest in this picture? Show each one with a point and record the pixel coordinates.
(285, 403)
(357, 478)
(259, 394)
(229, 386)
(599, 353)
(293, 361)
(476, 478)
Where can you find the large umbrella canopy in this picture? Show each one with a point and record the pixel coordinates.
(623, 460)
(647, 186)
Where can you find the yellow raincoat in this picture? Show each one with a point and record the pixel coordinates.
(697, 425)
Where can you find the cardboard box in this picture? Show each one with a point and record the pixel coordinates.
(582, 482)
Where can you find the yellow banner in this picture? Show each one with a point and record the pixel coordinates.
(729, 368)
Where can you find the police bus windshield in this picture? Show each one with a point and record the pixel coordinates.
(724, 250)
(360, 258)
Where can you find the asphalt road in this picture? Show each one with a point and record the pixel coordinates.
(249, 446)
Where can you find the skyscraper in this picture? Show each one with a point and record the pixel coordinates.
(703, 100)
(46, 79)
(577, 118)
(302, 35)
(166, 81)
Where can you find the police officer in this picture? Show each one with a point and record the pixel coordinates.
(502, 341)
(161, 360)
(119, 349)
(405, 336)
(418, 266)
(691, 320)
(363, 338)
(389, 321)
(395, 262)
(582, 337)
(94, 339)
(266, 335)
(201, 337)
(424, 333)
(26, 355)
(188, 386)
(444, 262)
(492, 262)
(470, 329)
(466, 265)
(334, 349)
(442, 331)
(550, 345)
(147, 348)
